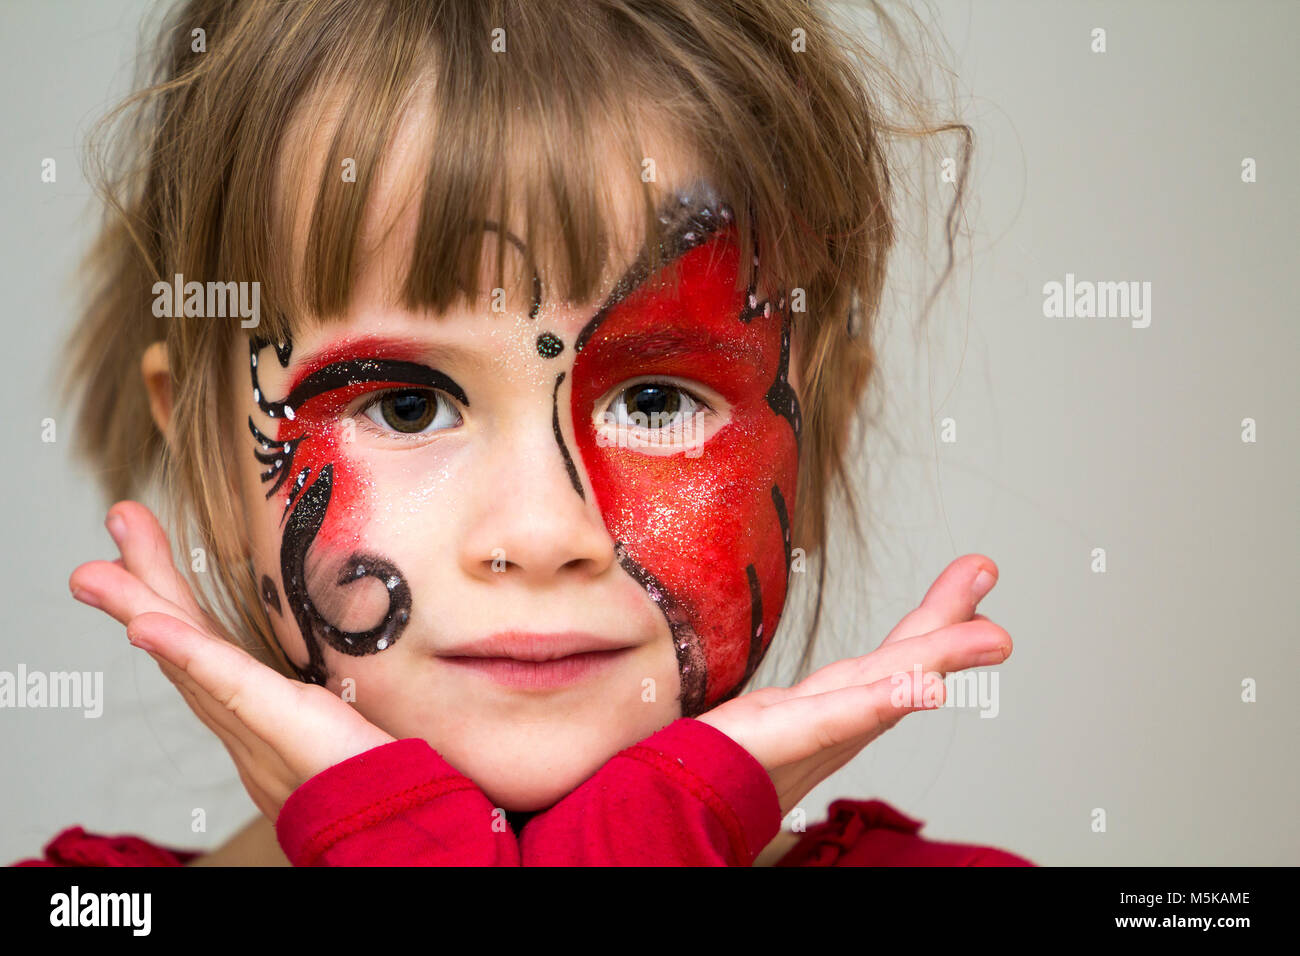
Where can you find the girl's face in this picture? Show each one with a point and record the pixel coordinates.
(531, 536)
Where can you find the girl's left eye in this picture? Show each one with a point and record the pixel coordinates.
(412, 411)
(653, 405)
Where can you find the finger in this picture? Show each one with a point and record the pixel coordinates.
(218, 723)
(272, 707)
(217, 719)
(248, 752)
(805, 726)
(226, 725)
(119, 593)
(975, 643)
(244, 761)
(254, 751)
(146, 553)
(251, 691)
(951, 599)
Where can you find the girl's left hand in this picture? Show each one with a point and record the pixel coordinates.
(803, 734)
(279, 732)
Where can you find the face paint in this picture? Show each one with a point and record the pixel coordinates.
(706, 535)
(324, 506)
(270, 594)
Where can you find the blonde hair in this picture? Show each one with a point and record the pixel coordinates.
(794, 139)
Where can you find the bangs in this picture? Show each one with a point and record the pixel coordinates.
(269, 138)
(512, 129)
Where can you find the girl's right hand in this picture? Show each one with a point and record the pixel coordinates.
(279, 732)
(803, 734)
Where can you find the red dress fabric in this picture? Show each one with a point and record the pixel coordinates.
(687, 795)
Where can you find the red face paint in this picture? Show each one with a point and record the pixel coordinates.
(320, 393)
(322, 487)
(708, 536)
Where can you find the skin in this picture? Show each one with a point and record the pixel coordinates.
(483, 520)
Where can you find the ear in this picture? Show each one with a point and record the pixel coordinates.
(158, 383)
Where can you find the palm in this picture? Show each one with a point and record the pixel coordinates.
(803, 734)
(279, 732)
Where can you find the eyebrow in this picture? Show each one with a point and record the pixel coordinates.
(690, 218)
(679, 341)
(379, 348)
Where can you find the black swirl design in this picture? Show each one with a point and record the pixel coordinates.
(304, 524)
(305, 509)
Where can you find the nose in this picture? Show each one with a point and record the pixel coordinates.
(528, 523)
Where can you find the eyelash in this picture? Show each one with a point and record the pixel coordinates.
(374, 400)
(361, 414)
(703, 406)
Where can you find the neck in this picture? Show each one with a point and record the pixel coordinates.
(254, 845)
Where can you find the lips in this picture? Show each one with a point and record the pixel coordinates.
(537, 661)
(535, 647)
(539, 675)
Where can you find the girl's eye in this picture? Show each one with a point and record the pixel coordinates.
(412, 411)
(653, 405)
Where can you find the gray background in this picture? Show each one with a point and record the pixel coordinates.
(1124, 689)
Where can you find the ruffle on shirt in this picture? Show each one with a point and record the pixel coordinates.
(872, 833)
(76, 847)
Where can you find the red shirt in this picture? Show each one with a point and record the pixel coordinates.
(687, 795)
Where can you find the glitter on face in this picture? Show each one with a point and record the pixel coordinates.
(331, 507)
(707, 536)
(549, 345)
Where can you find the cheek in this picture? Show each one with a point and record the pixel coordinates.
(341, 592)
(316, 441)
(707, 534)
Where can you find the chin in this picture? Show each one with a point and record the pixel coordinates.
(528, 792)
(535, 768)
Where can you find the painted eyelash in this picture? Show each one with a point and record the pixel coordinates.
(279, 456)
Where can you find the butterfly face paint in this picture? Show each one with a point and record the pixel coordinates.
(707, 534)
(325, 504)
(705, 531)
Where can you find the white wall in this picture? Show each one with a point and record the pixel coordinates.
(1124, 689)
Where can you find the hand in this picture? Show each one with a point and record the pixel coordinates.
(803, 734)
(279, 732)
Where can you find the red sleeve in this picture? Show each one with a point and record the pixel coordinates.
(688, 795)
(399, 804)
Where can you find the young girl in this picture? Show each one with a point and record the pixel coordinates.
(502, 357)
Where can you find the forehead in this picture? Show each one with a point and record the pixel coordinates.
(390, 222)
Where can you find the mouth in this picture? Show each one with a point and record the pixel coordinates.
(530, 661)
(539, 675)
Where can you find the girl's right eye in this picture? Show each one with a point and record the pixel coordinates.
(412, 411)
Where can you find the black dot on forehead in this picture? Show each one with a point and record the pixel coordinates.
(549, 345)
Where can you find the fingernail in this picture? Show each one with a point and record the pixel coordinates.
(982, 585)
(139, 640)
(995, 656)
(85, 597)
(116, 527)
